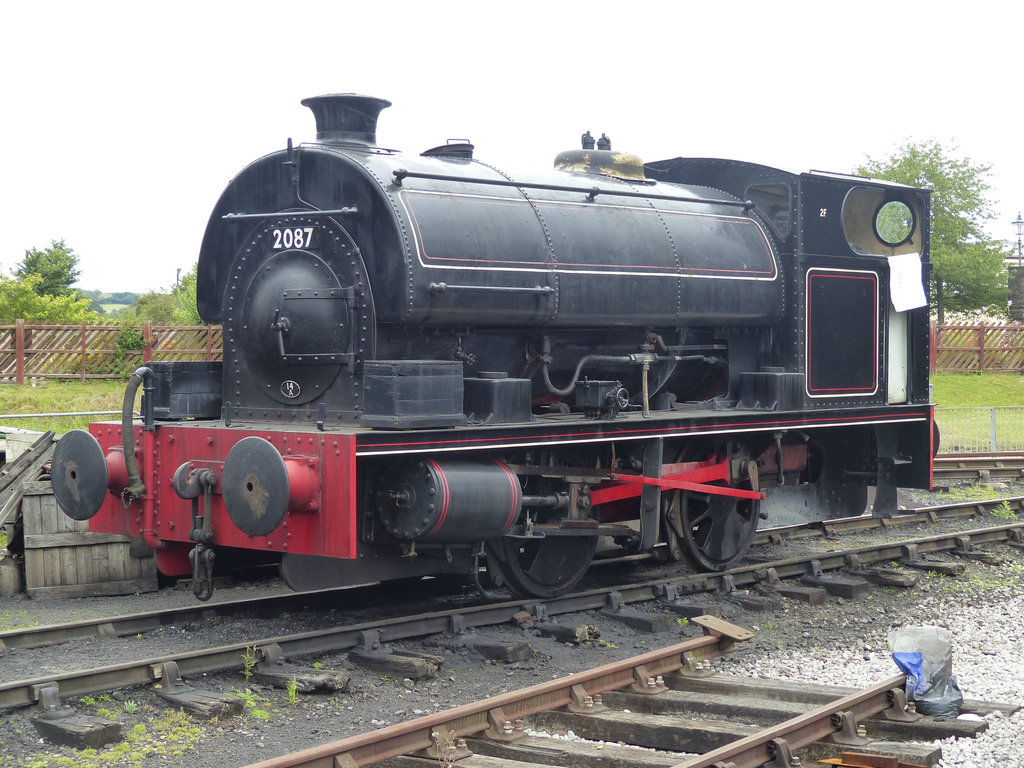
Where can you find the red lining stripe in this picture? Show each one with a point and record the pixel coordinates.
(513, 481)
(840, 275)
(445, 496)
(579, 266)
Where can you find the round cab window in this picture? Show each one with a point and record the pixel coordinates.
(894, 223)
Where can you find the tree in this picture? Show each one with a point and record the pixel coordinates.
(967, 268)
(185, 311)
(155, 307)
(24, 300)
(57, 266)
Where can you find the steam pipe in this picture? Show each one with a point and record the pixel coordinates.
(136, 488)
(585, 360)
(564, 392)
(643, 358)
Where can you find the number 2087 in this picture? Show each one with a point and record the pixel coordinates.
(294, 237)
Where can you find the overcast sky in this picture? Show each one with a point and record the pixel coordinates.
(123, 122)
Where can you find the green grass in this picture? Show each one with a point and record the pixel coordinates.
(977, 390)
(58, 396)
(990, 403)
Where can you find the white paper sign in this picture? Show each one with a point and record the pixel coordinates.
(905, 285)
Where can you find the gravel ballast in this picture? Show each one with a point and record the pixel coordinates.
(988, 645)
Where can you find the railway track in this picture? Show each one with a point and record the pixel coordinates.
(858, 567)
(979, 466)
(665, 700)
(661, 701)
(145, 621)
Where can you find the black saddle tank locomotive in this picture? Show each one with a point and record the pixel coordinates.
(432, 365)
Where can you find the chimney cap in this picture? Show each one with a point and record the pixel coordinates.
(346, 117)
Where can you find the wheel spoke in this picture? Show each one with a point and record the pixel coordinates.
(698, 519)
(718, 530)
(544, 568)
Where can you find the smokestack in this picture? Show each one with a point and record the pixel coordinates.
(346, 117)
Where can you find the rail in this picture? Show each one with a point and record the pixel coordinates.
(131, 624)
(22, 693)
(777, 744)
(473, 617)
(502, 715)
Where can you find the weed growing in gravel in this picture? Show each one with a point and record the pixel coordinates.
(130, 707)
(292, 688)
(969, 493)
(978, 582)
(1004, 512)
(248, 697)
(253, 703)
(318, 665)
(248, 662)
(1006, 575)
(19, 619)
(445, 745)
(168, 735)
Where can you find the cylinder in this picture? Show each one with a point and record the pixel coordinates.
(448, 500)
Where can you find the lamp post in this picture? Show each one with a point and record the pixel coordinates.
(1019, 224)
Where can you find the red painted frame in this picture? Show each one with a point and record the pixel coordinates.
(327, 526)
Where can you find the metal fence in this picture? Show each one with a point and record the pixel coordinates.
(980, 430)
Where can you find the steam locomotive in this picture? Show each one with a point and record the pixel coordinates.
(435, 366)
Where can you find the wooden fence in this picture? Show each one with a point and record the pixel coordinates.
(98, 351)
(977, 348)
(103, 351)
